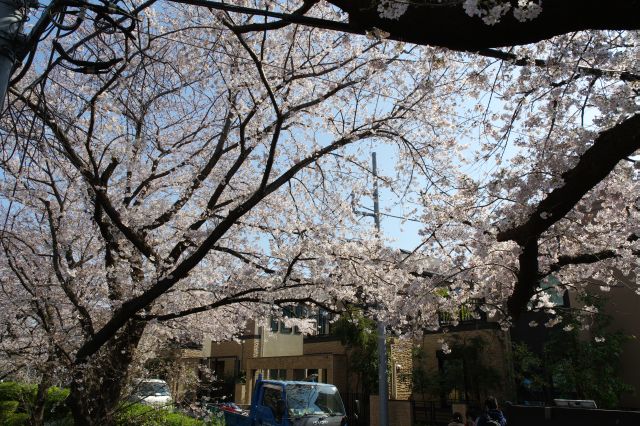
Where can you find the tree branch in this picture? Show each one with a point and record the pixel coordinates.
(609, 148)
(596, 72)
(440, 24)
(132, 306)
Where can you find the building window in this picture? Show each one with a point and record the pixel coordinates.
(300, 311)
(323, 322)
(218, 369)
(469, 312)
(277, 374)
(299, 374)
(551, 286)
(287, 312)
(312, 375)
(274, 325)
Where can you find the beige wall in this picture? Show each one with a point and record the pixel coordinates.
(324, 347)
(399, 412)
(329, 363)
(246, 349)
(184, 374)
(260, 344)
(278, 344)
(222, 349)
(292, 362)
(400, 357)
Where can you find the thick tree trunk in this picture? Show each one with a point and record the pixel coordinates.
(98, 383)
(446, 24)
(37, 413)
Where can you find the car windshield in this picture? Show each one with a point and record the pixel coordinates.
(152, 389)
(313, 399)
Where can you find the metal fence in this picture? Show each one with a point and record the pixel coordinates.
(561, 416)
(469, 312)
(356, 403)
(430, 413)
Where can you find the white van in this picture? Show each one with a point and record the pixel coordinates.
(151, 392)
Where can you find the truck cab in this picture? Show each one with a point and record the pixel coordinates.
(292, 403)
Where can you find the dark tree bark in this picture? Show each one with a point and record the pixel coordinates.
(37, 414)
(609, 148)
(447, 25)
(98, 383)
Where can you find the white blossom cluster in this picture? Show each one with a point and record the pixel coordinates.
(152, 162)
(392, 9)
(492, 11)
(527, 10)
(529, 139)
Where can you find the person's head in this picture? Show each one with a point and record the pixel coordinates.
(457, 417)
(491, 403)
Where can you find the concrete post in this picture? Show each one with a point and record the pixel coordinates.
(383, 390)
(12, 16)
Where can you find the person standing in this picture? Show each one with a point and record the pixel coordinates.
(492, 415)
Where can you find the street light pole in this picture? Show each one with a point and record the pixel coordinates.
(13, 13)
(382, 343)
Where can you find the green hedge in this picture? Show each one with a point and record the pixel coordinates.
(17, 401)
(9, 416)
(144, 415)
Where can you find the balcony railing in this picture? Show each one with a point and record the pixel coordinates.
(468, 313)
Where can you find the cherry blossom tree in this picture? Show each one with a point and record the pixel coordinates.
(205, 175)
(560, 195)
(567, 131)
(204, 178)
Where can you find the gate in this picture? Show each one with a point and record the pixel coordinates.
(361, 408)
(430, 413)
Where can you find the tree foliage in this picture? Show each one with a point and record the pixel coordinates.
(206, 172)
(465, 372)
(18, 404)
(359, 335)
(194, 186)
(580, 359)
(586, 365)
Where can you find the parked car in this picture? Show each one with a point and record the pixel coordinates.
(151, 392)
(290, 403)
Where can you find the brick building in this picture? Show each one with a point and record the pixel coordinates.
(278, 352)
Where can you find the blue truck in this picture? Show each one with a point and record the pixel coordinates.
(291, 403)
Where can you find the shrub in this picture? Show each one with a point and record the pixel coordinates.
(55, 407)
(144, 415)
(9, 416)
(17, 401)
(21, 392)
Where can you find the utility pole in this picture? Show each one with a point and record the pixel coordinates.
(383, 391)
(13, 13)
